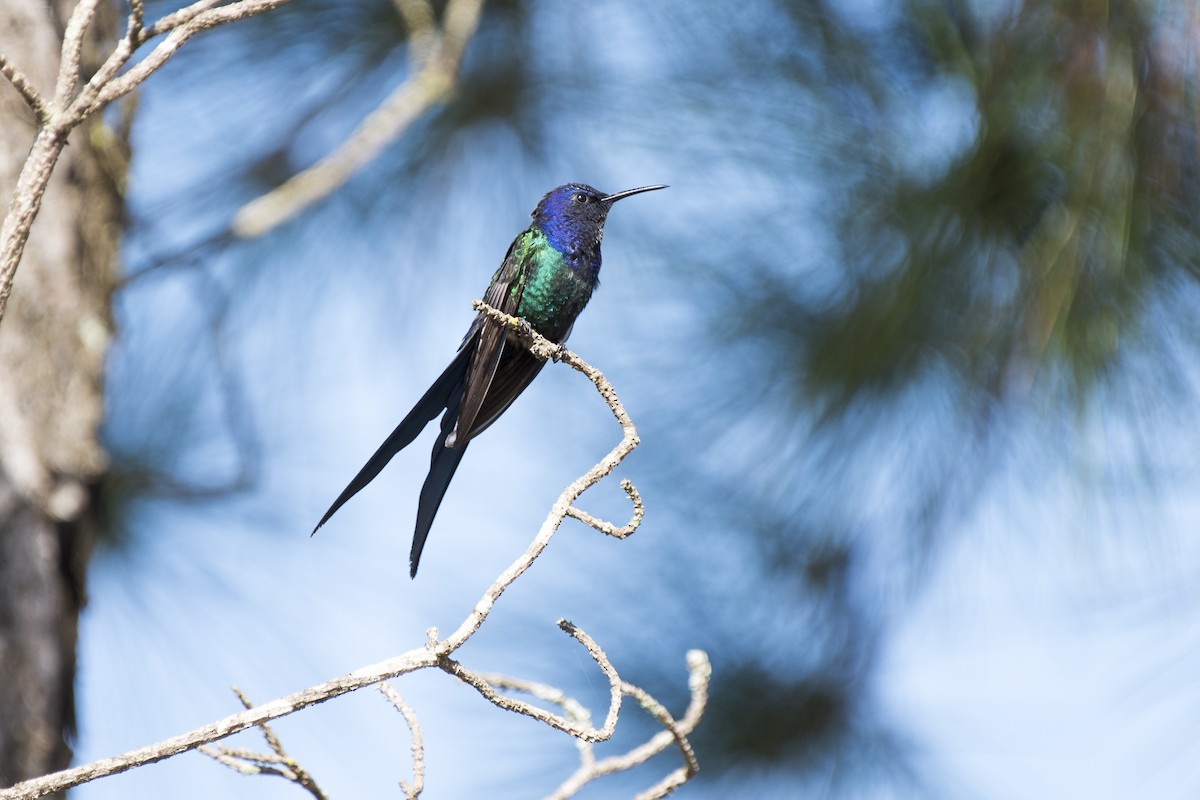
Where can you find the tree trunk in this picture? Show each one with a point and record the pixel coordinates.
(52, 352)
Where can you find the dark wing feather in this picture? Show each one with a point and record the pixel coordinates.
(516, 371)
(504, 293)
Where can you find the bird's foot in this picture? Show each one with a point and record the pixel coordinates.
(524, 332)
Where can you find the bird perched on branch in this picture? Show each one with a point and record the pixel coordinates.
(546, 278)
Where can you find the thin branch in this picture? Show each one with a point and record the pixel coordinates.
(411, 661)
(411, 791)
(434, 81)
(72, 50)
(699, 678)
(570, 726)
(68, 109)
(418, 18)
(88, 103)
(23, 85)
(176, 18)
(26, 202)
(660, 713)
(244, 754)
(250, 762)
(572, 708)
(639, 511)
(137, 20)
(241, 762)
(460, 20)
(80, 107)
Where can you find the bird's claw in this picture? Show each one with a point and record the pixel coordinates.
(525, 331)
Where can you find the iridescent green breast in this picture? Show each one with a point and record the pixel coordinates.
(553, 291)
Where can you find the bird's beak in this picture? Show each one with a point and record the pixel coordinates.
(612, 198)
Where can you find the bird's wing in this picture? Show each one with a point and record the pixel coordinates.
(436, 398)
(504, 294)
(516, 370)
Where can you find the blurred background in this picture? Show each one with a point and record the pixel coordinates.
(910, 342)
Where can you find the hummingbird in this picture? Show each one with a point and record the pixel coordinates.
(547, 277)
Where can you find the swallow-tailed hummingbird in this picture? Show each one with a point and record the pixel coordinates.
(546, 278)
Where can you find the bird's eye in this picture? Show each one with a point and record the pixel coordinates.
(579, 197)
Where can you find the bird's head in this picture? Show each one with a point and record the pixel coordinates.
(572, 216)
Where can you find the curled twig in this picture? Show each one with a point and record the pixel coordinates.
(608, 528)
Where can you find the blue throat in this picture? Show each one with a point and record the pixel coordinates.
(566, 239)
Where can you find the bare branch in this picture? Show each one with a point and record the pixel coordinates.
(572, 708)
(639, 511)
(460, 20)
(411, 791)
(27, 200)
(660, 713)
(68, 110)
(573, 727)
(699, 676)
(418, 17)
(249, 762)
(203, 20)
(441, 56)
(176, 18)
(411, 661)
(22, 84)
(137, 20)
(72, 50)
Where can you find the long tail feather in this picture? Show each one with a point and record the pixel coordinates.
(441, 470)
(442, 464)
(435, 399)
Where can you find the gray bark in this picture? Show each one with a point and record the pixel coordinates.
(52, 351)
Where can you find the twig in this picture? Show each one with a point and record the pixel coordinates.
(249, 762)
(660, 713)
(176, 18)
(203, 20)
(72, 50)
(26, 202)
(639, 511)
(69, 108)
(411, 791)
(419, 658)
(137, 19)
(699, 677)
(580, 731)
(22, 84)
(572, 708)
(418, 17)
(440, 56)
